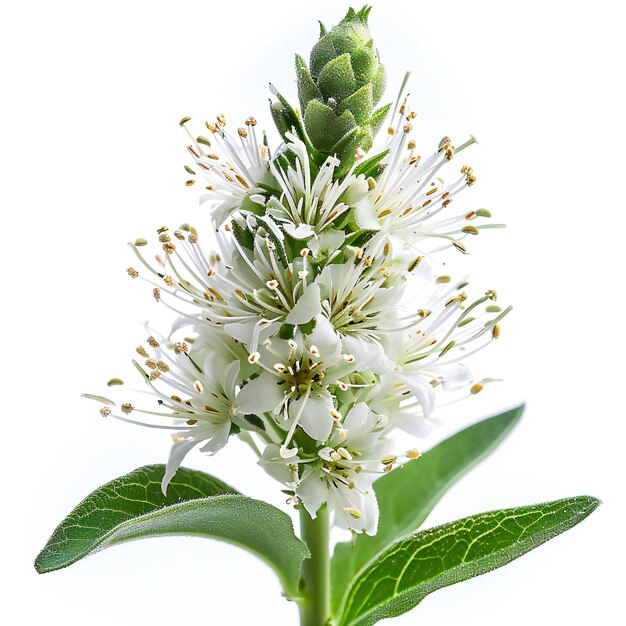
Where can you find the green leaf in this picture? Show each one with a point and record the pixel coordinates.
(370, 166)
(133, 507)
(325, 128)
(419, 564)
(364, 62)
(379, 117)
(408, 494)
(336, 80)
(360, 104)
(379, 82)
(307, 89)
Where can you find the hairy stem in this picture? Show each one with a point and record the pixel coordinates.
(315, 602)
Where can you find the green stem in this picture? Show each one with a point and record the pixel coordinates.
(315, 603)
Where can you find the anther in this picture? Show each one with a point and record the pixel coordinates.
(345, 454)
(254, 357)
(353, 512)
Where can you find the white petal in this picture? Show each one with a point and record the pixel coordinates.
(177, 454)
(357, 421)
(243, 331)
(367, 354)
(313, 492)
(325, 337)
(259, 395)
(370, 511)
(315, 419)
(422, 390)
(217, 440)
(329, 240)
(413, 424)
(302, 231)
(365, 215)
(307, 307)
(275, 465)
(229, 378)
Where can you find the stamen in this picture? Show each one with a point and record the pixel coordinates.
(254, 357)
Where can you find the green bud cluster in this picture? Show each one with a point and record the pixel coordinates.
(339, 90)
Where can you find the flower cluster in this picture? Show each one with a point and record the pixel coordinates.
(311, 323)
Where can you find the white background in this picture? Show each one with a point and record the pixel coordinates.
(92, 157)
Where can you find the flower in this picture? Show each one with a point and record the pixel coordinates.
(232, 179)
(343, 475)
(409, 197)
(310, 322)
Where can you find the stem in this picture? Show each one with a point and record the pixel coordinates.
(315, 603)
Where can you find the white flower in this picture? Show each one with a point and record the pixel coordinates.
(194, 388)
(347, 467)
(232, 179)
(320, 324)
(309, 203)
(409, 199)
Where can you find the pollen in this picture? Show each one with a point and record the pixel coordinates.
(156, 294)
(151, 341)
(180, 347)
(414, 453)
(133, 273)
(198, 386)
(476, 388)
(105, 411)
(141, 351)
(254, 357)
(127, 408)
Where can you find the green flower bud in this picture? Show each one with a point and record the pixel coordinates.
(340, 88)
